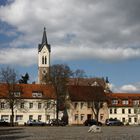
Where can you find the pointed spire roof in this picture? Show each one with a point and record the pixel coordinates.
(107, 81)
(44, 38)
(44, 42)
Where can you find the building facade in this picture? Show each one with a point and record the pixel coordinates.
(33, 101)
(81, 100)
(38, 101)
(125, 107)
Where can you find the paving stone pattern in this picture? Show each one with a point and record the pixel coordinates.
(69, 133)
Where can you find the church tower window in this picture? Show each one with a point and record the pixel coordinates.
(45, 60)
(42, 59)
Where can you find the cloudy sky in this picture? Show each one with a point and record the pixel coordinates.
(101, 37)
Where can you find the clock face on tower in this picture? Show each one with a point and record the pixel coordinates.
(44, 71)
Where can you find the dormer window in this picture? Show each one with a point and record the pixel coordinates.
(114, 102)
(125, 102)
(17, 94)
(37, 94)
(136, 102)
(95, 84)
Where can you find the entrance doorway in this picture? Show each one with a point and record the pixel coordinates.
(89, 116)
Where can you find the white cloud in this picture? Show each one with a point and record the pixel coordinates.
(23, 57)
(108, 54)
(91, 29)
(129, 88)
(28, 56)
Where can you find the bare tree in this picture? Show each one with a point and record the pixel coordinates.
(11, 94)
(99, 97)
(59, 76)
(78, 75)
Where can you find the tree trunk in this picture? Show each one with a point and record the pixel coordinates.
(12, 116)
(57, 110)
(97, 116)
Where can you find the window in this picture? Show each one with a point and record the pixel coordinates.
(48, 105)
(114, 102)
(125, 102)
(129, 111)
(22, 105)
(136, 102)
(75, 105)
(48, 117)
(42, 59)
(82, 117)
(82, 104)
(30, 105)
(45, 60)
(115, 111)
(123, 120)
(89, 104)
(129, 120)
(123, 111)
(19, 117)
(135, 110)
(110, 111)
(39, 105)
(5, 117)
(101, 116)
(30, 117)
(37, 94)
(2, 105)
(76, 117)
(39, 117)
(135, 120)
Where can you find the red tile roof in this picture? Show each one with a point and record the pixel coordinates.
(84, 93)
(123, 96)
(27, 90)
(86, 81)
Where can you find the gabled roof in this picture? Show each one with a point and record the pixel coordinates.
(125, 95)
(85, 93)
(87, 81)
(27, 90)
(44, 42)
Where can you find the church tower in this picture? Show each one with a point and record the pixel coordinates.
(44, 50)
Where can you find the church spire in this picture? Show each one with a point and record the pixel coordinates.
(44, 38)
(107, 81)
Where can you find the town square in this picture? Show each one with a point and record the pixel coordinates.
(69, 133)
(69, 70)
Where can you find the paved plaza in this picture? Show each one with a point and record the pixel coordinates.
(69, 133)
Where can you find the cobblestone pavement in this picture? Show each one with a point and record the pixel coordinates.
(69, 133)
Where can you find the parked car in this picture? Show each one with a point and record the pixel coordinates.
(113, 122)
(4, 123)
(53, 122)
(90, 122)
(35, 123)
